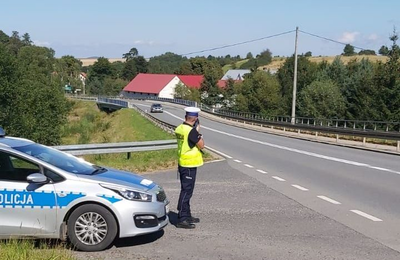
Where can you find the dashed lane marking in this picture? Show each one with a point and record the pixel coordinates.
(329, 200)
(238, 161)
(261, 171)
(365, 215)
(299, 187)
(278, 178)
(219, 152)
(248, 165)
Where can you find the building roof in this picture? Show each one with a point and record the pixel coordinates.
(191, 81)
(149, 83)
(235, 74)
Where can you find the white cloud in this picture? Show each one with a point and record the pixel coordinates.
(41, 43)
(349, 37)
(141, 42)
(373, 37)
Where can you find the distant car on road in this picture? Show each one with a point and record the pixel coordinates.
(46, 193)
(156, 108)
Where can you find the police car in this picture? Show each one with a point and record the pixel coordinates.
(46, 193)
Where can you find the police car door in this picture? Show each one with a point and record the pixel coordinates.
(25, 208)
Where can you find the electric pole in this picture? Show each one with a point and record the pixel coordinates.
(293, 118)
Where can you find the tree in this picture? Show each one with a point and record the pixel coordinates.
(133, 53)
(32, 103)
(262, 59)
(308, 54)
(307, 72)
(130, 70)
(168, 63)
(321, 99)
(367, 52)
(181, 91)
(348, 50)
(249, 56)
(26, 39)
(387, 80)
(4, 38)
(209, 88)
(101, 69)
(384, 50)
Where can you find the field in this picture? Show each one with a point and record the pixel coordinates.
(90, 61)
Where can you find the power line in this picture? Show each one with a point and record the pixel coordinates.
(331, 40)
(239, 43)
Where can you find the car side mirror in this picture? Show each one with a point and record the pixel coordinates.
(37, 178)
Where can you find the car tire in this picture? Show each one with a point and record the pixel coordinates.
(91, 228)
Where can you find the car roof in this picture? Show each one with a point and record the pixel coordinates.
(14, 142)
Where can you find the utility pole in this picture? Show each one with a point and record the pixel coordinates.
(293, 118)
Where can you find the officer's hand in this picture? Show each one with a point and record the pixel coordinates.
(198, 127)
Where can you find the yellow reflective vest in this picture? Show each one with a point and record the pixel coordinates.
(188, 157)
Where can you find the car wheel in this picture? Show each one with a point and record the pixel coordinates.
(91, 228)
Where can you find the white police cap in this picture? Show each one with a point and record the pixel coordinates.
(192, 111)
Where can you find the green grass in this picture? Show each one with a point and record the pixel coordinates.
(88, 125)
(33, 250)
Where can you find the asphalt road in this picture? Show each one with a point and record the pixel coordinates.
(242, 218)
(359, 189)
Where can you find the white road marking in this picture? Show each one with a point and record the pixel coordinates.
(142, 105)
(365, 215)
(248, 165)
(218, 152)
(278, 178)
(354, 163)
(261, 171)
(299, 187)
(214, 161)
(238, 161)
(329, 200)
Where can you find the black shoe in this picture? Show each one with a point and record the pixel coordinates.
(185, 224)
(193, 220)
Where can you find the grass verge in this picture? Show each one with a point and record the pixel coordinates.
(15, 249)
(88, 125)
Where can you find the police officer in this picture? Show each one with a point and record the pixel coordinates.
(190, 143)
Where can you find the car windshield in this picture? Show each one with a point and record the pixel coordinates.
(156, 105)
(60, 159)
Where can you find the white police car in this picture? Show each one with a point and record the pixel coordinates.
(46, 193)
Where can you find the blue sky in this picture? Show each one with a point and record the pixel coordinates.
(110, 28)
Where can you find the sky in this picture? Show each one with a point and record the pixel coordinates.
(87, 28)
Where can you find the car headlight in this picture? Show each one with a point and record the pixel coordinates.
(130, 194)
(134, 195)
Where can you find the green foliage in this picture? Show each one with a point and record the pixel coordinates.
(133, 53)
(308, 54)
(321, 99)
(348, 50)
(384, 50)
(249, 56)
(32, 103)
(209, 88)
(168, 63)
(181, 91)
(264, 58)
(201, 66)
(129, 71)
(101, 69)
(259, 93)
(307, 72)
(367, 52)
(4, 38)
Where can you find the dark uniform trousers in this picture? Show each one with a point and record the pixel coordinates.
(188, 179)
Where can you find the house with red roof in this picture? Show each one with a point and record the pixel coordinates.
(156, 85)
(191, 81)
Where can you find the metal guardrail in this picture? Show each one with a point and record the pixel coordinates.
(366, 129)
(163, 125)
(125, 147)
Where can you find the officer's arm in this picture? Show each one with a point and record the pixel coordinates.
(200, 143)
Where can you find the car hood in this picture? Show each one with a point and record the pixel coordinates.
(117, 177)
